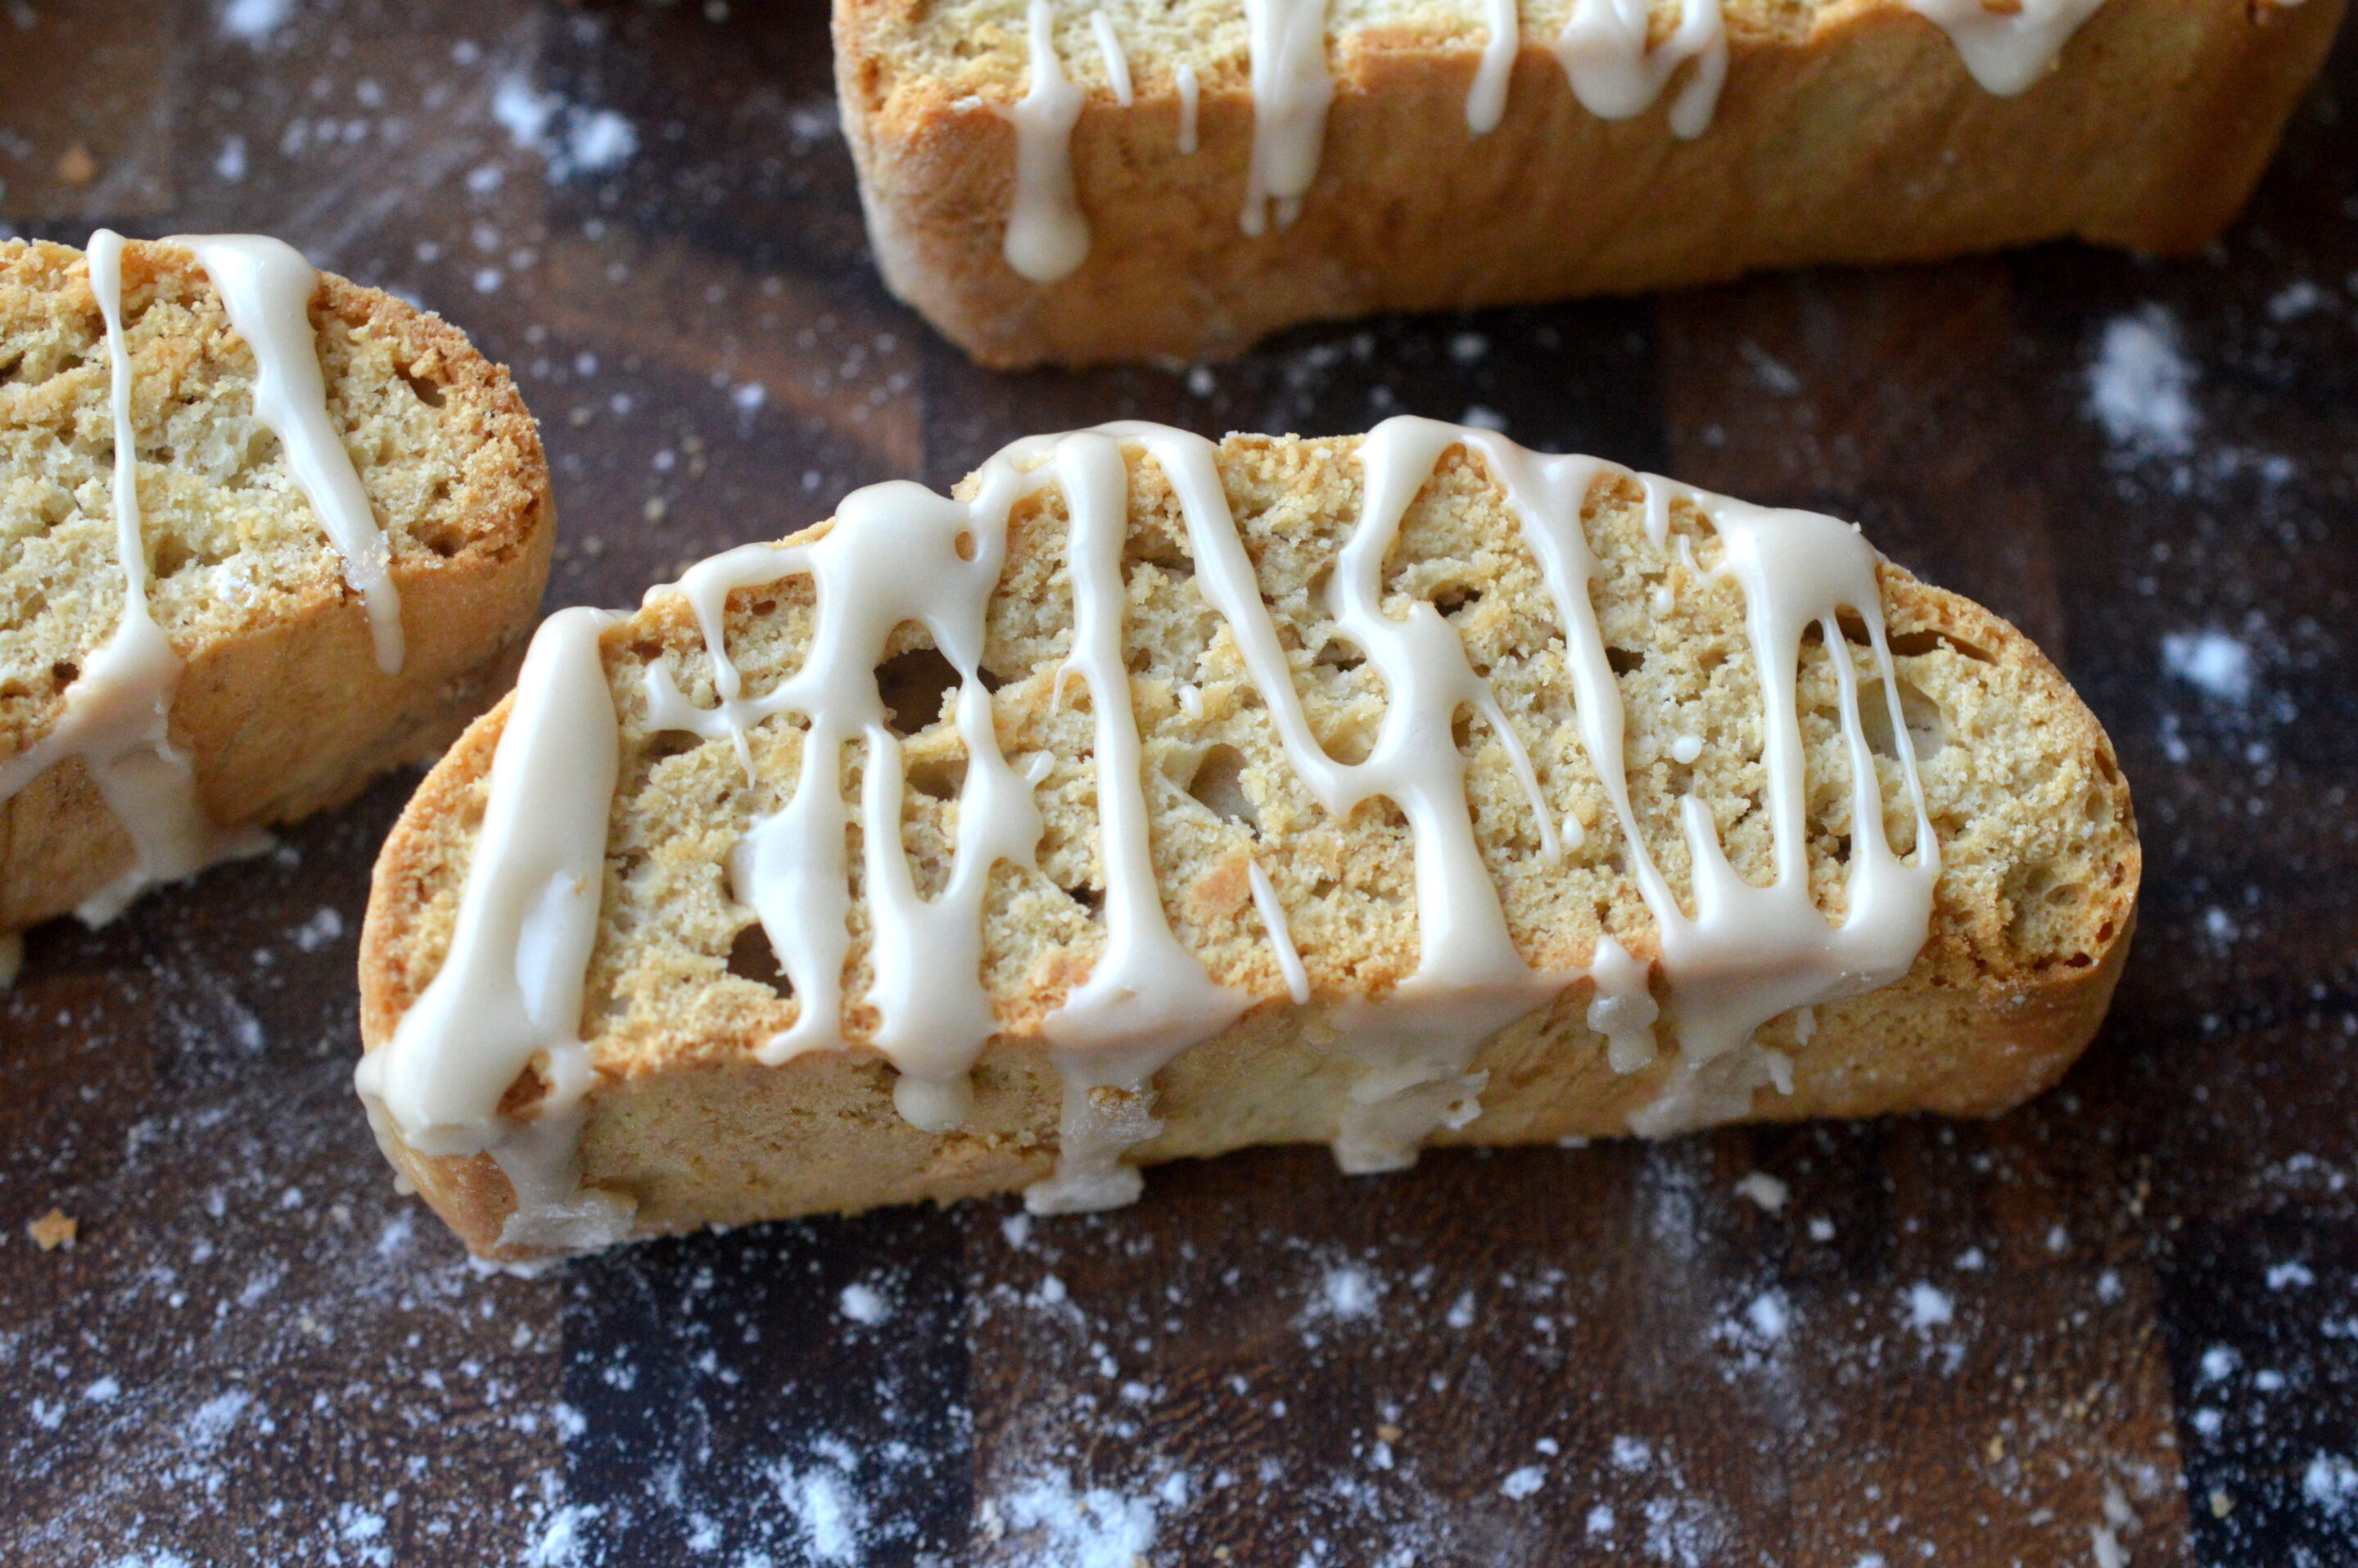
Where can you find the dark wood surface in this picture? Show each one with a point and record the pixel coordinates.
(2120, 1325)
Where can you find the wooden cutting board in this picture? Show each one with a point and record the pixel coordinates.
(2119, 1326)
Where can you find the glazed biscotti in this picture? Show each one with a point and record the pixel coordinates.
(263, 536)
(1054, 181)
(1150, 798)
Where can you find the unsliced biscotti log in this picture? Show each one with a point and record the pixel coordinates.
(1151, 798)
(1049, 181)
(264, 534)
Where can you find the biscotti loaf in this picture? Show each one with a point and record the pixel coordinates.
(1150, 798)
(263, 536)
(1052, 181)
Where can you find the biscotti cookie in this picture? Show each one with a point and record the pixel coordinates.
(1151, 798)
(263, 536)
(1052, 181)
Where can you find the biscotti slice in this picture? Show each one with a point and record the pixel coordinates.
(1048, 180)
(1151, 798)
(264, 534)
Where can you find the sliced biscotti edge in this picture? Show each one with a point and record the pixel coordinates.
(696, 1132)
(1837, 139)
(281, 704)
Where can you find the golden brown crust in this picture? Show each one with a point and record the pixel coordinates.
(281, 703)
(2025, 948)
(1847, 132)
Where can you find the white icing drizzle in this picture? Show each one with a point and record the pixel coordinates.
(1623, 1010)
(1047, 236)
(266, 286)
(118, 711)
(1147, 997)
(1747, 952)
(2007, 51)
(1190, 89)
(1272, 909)
(1117, 64)
(509, 995)
(1486, 103)
(1615, 77)
(899, 553)
(1286, 41)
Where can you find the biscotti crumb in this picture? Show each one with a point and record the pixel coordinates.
(54, 1230)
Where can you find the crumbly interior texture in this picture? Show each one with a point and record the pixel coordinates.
(2036, 895)
(1848, 131)
(281, 703)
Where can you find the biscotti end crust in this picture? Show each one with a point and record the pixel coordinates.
(282, 703)
(1847, 133)
(2029, 926)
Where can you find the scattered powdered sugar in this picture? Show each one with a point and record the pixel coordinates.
(2140, 384)
(572, 138)
(1928, 1307)
(1521, 1483)
(1073, 1528)
(2213, 663)
(1764, 1190)
(255, 20)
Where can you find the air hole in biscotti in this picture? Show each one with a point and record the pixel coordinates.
(2104, 932)
(1151, 546)
(429, 392)
(938, 778)
(966, 544)
(64, 672)
(1461, 726)
(1854, 628)
(1138, 661)
(1322, 887)
(525, 1093)
(1090, 898)
(1914, 644)
(444, 538)
(915, 687)
(671, 743)
(2078, 961)
(1623, 660)
(1340, 656)
(1926, 730)
(1218, 785)
(2096, 806)
(751, 957)
(1456, 596)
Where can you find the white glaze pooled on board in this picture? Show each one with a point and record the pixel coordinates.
(2009, 51)
(1047, 236)
(898, 552)
(117, 715)
(118, 711)
(509, 996)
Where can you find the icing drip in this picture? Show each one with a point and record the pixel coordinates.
(1623, 1010)
(266, 286)
(1615, 77)
(1047, 236)
(897, 553)
(1747, 952)
(1291, 88)
(1117, 64)
(1272, 918)
(1189, 92)
(1486, 104)
(1147, 998)
(509, 996)
(118, 710)
(2007, 51)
